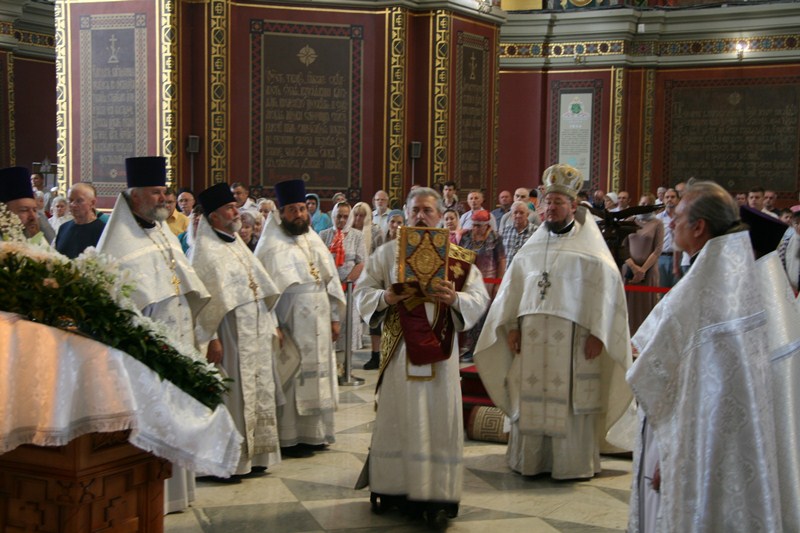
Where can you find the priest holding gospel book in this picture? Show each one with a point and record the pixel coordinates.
(416, 454)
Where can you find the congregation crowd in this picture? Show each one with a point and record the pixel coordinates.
(533, 295)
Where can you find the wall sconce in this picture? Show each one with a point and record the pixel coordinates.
(580, 59)
(741, 48)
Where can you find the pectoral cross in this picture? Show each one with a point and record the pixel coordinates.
(176, 282)
(544, 284)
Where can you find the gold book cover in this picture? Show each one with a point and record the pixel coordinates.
(421, 260)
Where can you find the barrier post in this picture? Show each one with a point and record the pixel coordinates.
(348, 380)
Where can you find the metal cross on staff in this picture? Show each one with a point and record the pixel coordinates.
(544, 284)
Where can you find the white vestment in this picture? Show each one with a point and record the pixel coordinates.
(702, 383)
(783, 319)
(167, 290)
(311, 298)
(560, 404)
(418, 439)
(240, 314)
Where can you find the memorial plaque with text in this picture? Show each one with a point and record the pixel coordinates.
(473, 95)
(306, 101)
(734, 133)
(113, 97)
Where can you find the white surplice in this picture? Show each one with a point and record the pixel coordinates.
(240, 314)
(149, 254)
(311, 298)
(418, 440)
(560, 404)
(702, 382)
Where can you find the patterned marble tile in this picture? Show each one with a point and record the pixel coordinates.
(572, 527)
(272, 517)
(622, 495)
(361, 428)
(306, 491)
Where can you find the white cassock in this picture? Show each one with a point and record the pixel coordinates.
(418, 439)
(240, 314)
(167, 290)
(702, 380)
(560, 405)
(311, 298)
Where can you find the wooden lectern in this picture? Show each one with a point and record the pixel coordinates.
(97, 482)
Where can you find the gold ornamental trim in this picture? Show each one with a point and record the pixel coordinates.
(396, 103)
(495, 148)
(441, 98)
(618, 75)
(169, 87)
(219, 91)
(649, 125)
(61, 98)
(12, 128)
(462, 254)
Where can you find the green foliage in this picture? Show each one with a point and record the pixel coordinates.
(58, 294)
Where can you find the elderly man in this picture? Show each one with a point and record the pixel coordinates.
(556, 344)
(380, 215)
(705, 460)
(518, 232)
(238, 325)
(504, 201)
(85, 229)
(17, 193)
(624, 198)
(308, 314)
(475, 202)
(521, 195)
(167, 288)
(417, 444)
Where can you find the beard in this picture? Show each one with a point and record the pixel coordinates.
(234, 226)
(298, 226)
(158, 213)
(556, 225)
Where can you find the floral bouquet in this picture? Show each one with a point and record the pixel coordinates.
(91, 297)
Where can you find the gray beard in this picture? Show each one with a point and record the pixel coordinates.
(159, 214)
(234, 226)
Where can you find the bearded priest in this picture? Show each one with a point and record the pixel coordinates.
(238, 325)
(556, 344)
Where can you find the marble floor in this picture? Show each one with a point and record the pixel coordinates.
(315, 494)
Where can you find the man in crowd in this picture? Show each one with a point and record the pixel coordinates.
(556, 343)
(450, 197)
(701, 382)
(599, 199)
(238, 325)
(660, 192)
(308, 314)
(518, 232)
(177, 221)
(521, 195)
(504, 201)
(624, 198)
(665, 261)
(85, 229)
(770, 197)
(16, 192)
(417, 444)
(243, 201)
(380, 215)
(475, 202)
(167, 288)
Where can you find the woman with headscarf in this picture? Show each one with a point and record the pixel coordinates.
(60, 212)
(349, 252)
(319, 220)
(395, 219)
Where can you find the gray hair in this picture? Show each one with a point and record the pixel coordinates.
(248, 218)
(518, 203)
(58, 200)
(428, 192)
(710, 202)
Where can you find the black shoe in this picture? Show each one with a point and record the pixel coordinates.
(258, 469)
(296, 452)
(373, 364)
(225, 480)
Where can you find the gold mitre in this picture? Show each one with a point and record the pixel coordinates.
(564, 179)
